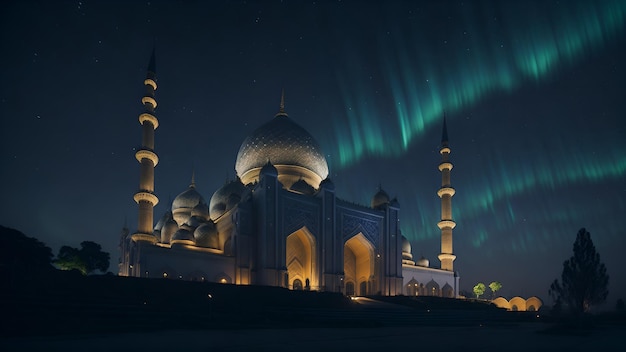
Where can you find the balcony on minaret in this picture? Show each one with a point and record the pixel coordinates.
(448, 191)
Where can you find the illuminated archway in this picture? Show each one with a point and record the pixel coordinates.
(533, 302)
(300, 258)
(501, 302)
(358, 263)
(432, 288)
(447, 291)
(518, 303)
(412, 288)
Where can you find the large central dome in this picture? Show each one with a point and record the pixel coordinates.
(289, 147)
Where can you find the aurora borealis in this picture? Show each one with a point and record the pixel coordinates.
(533, 92)
(492, 54)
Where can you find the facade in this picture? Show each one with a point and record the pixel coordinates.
(279, 223)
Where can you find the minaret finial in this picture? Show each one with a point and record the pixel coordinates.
(444, 133)
(281, 110)
(193, 178)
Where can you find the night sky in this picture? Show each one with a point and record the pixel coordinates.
(534, 94)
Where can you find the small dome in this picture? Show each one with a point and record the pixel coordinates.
(406, 249)
(206, 235)
(201, 210)
(187, 199)
(184, 203)
(302, 187)
(380, 199)
(423, 262)
(182, 236)
(162, 220)
(226, 198)
(193, 222)
(168, 230)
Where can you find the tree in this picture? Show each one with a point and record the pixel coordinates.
(494, 286)
(94, 257)
(584, 281)
(22, 256)
(479, 289)
(87, 259)
(69, 258)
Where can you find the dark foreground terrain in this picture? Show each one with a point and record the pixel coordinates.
(67, 312)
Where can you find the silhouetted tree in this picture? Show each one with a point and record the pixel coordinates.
(69, 258)
(17, 247)
(94, 257)
(479, 289)
(22, 258)
(584, 281)
(87, 259)
(494, 286)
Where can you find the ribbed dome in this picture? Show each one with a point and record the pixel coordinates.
(169, 229)
(225, 198)
(194, 222)
(282, 142)
(182, 235)
(201, 210)
(206, 235)
(187, 199)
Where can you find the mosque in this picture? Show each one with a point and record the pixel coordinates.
(279, 223)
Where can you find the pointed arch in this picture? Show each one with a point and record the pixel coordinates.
(447, 291)
(358, 262)
(301, 259)
(432, 288)
(412, 288)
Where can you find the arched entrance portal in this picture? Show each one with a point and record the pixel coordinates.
(358, 264)
(300, 260)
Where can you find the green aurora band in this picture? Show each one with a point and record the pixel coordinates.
(421, 87)
(526, 43)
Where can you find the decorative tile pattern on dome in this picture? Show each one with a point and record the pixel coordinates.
(282, 142)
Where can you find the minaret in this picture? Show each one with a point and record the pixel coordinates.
(445, 193)
(145, 197)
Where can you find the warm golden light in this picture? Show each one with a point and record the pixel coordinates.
(149, 100)
(150, 118)
(444, 166)
(148, 197)
(147, 154)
